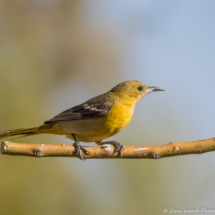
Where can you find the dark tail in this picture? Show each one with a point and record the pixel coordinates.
(27, 131)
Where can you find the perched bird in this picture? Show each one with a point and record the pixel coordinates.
(96, 119)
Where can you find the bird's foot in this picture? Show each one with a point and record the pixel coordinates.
(78, 149)
(117, 146)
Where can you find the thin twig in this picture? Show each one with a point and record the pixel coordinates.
(107, 151)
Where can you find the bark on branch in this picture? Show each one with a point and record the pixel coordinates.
(107, 151)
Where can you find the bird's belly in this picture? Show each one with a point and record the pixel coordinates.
(86, 130)
(96, 129)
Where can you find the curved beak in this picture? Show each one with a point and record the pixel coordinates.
(153, 89)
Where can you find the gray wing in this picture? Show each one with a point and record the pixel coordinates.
(93, 108)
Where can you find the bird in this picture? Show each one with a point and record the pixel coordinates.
(94, 120)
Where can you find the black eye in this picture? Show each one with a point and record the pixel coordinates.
(140, 88)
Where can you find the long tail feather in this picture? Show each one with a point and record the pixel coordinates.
(27, 131)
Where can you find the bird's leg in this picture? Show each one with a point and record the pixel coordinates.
(78, 148)
(117, 146)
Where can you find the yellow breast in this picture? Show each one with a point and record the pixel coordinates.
(119, 117)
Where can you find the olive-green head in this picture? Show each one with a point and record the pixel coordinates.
(133, 90)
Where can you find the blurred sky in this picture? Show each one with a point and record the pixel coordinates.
(168, 44)
(173, 43)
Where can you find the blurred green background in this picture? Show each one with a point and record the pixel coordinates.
(56, 54)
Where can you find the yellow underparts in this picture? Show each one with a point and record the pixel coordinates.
(96, 129)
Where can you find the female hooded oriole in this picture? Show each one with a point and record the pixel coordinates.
(96, 119)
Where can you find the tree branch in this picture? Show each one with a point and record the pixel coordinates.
(107, 151)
